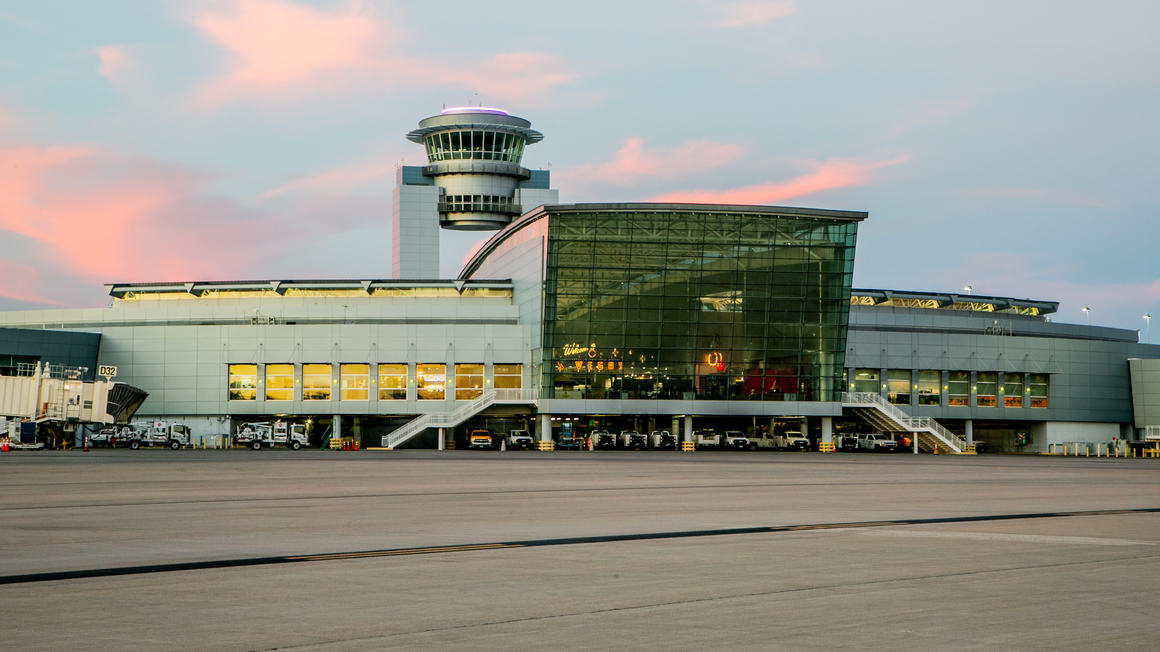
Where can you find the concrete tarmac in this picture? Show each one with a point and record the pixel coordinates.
(573, 571)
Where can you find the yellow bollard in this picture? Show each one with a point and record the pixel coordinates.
(1086, 451)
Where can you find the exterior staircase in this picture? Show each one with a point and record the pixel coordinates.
(887, 417)
(457, 416)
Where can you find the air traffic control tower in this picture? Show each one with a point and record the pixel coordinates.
(473, 181)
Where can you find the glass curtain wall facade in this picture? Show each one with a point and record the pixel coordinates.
(696, 304)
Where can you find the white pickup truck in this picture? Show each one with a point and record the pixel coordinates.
(791, 440)
(736, 440)
(518, 439)
(877, 442)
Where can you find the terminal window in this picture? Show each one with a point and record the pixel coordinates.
(929, 382)
(898, 386)
(432, 381)
(243, 382)
(985, 388)
(958, 388)
(316, 382)
(691, 304)
(355, 382)
(468, 381)
(279, 382)
(392, 382)
(1012, 390)
(1038, 385)
(865, 380)
(508, 376)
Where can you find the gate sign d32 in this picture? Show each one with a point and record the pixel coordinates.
(107, 370)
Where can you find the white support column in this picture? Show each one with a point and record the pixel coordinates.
(442, 438)
(827, 430)
(336, 430)
(544, 432)
(970, 430)
(688, 429)
(676, 432)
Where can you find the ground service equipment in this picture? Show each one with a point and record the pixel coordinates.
(255, 435)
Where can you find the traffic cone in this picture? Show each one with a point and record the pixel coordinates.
(936, 449)
(4, 446)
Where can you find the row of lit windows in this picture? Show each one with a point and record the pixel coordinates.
(478, 145)
(1016, 389)
(355, 382)
(466, 203)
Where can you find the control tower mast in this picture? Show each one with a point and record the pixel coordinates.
(473, 181)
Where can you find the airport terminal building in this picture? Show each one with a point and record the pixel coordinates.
(578, 317)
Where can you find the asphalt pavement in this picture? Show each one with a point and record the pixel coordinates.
(313, 550)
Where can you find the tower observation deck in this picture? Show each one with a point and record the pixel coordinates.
(473, 157)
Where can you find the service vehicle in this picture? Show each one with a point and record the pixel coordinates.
(602, 439)
(256, 434)
(136, 435)
(632, 440)
(877, 442)
(846, 442)
(663, 440)
(736, 440)
(480, 439)
(707, 439)
(763, 440)
(792, 440)
(518, 439)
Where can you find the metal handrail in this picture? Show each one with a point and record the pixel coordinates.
(912, 424)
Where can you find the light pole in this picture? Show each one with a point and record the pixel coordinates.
(1147, 329)
(968, 289)
(1087, 312)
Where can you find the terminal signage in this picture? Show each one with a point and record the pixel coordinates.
(107, 370)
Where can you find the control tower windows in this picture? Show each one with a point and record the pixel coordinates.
(392, 382)
(279, 382)
(316, 382)
(243, 382)
(432, 381)
(474, 145)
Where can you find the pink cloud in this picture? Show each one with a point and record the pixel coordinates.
(753, 12)
(281, 48)
(633, 160)
(22, 283)
(105, 217)
(117, 64)
(834, 173)
(275, 45)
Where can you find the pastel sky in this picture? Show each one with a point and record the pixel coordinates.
(1011, 146)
